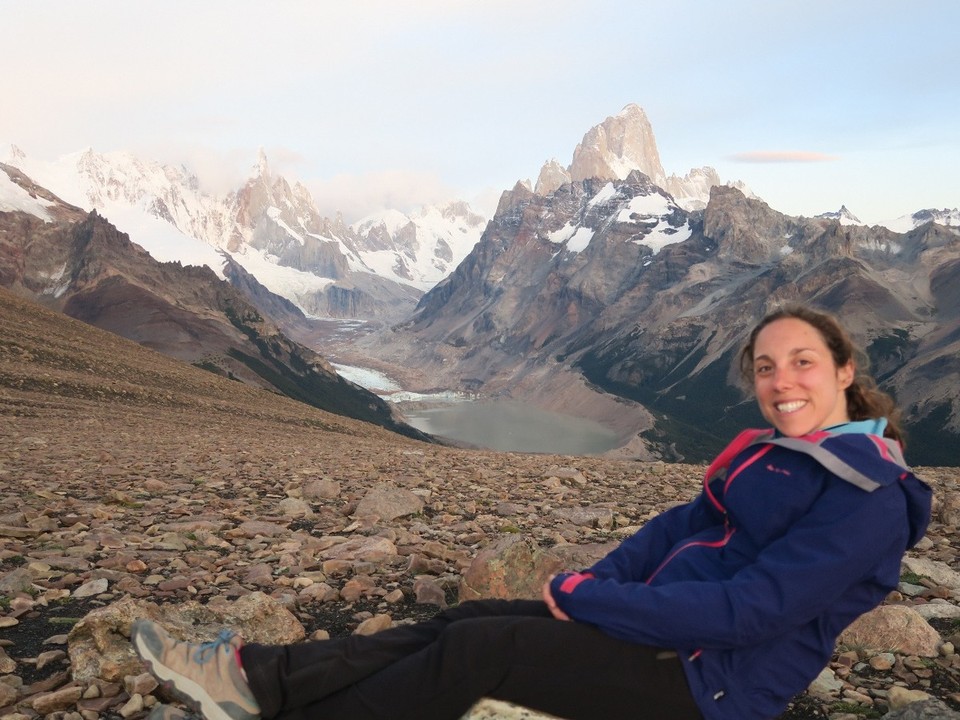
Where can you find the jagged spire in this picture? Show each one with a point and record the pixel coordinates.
(263, 169)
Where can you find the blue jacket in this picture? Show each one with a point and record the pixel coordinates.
(790, 540)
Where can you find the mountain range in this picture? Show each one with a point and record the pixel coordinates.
(375, 269)
(74, 261)
(607, 289)
(613, 287)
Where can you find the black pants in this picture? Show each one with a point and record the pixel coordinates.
(508, 650)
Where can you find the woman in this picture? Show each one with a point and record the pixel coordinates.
(723, 608)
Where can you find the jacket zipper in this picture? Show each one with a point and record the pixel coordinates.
(727, 534)
(728, 531)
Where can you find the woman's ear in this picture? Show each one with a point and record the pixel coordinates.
(845, 374)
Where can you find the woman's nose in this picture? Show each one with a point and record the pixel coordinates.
(782, 378)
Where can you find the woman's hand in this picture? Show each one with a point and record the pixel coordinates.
(551, 603)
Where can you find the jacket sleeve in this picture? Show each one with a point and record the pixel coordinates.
(635, 559)
(840, 542)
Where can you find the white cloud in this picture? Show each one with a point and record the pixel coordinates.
(782, 156)
(358, 195)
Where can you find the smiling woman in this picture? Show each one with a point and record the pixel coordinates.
(808, 376)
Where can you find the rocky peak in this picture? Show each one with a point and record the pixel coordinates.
(267, 201)
(262, 168)
(746, 229)
(843, 215)
(690, 189)
(513, 200)
(460, 209)
(15, 156)
(20, 193)
(619, 144)
(941, 217)
(552, 176)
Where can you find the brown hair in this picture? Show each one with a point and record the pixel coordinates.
(864, 399)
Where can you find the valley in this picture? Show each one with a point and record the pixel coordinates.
(608, 291)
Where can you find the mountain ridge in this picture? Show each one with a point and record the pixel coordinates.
(79, 264)
(651, 307)
(271, 227)
(374, 269)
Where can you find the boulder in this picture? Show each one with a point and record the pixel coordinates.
(926, 710)
(99, 645)
(894, 628)
(388, 503)
(514, 567)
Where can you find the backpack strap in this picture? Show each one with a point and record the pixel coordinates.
(831, 462)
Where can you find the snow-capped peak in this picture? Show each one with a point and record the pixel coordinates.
(16, 198)
(906, 223)
(422, 248)
(269, 226)
(843, 215)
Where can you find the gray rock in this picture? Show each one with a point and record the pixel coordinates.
(939, 572)
(321, 489)
(594, 517)
(94, 587)
(926, 710)
(370, 549)
(294, 508)
(16, 581)
(933, 610)
(826, 684)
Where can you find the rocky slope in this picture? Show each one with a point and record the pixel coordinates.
(133, 484)
(83, 266)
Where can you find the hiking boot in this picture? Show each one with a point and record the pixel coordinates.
(205, 676)
(170, 712)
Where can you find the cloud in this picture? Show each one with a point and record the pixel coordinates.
(782, 156)
(358, 195)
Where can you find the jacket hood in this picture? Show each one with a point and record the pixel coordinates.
(919, 499)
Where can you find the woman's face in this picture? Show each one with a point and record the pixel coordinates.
(799, 387)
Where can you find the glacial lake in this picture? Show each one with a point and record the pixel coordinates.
(506, 425)
(513, 426)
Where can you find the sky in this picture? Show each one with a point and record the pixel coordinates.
(376, 104)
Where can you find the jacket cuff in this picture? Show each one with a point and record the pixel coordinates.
(566, 583)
